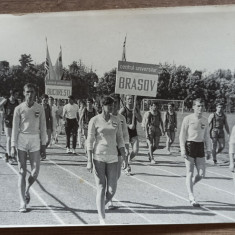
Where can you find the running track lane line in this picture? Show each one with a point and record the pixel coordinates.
(91, 185)
(40, 199)
(212, 172)
(171, 193)
(172, 173)
(176, 195)
(225, 191)
(182, 198)
(215, 173)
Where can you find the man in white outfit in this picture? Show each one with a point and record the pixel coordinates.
(194, 138)
(71, 118)
(28, 138)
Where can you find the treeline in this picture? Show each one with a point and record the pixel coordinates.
(180, 83)
(175, 82)
(16, 76)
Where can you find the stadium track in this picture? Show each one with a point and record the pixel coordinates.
(64, 193)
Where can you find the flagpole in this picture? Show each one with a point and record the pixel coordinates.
(123, 59)
(48, 73)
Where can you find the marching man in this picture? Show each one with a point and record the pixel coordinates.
(29, 136)
(194, 138)
(217, 122)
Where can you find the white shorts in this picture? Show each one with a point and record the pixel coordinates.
(231, 148)
(28, 142)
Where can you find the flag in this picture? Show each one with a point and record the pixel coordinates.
(122, 96)
(59, 66)
(124, 51)
(50, 73)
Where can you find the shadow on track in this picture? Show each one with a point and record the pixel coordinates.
(147, 174)
(156, 209)
(63, 207)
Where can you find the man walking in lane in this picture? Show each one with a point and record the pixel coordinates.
(217, 122)
(28, 138)
(194, 137)
(71, 118)
(88, 112)
(132, 116)
(9, 106)
(49, 121)
(153, 129)
(170, 125)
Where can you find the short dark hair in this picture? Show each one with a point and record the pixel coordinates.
(153, 102)
(115, 96)
(29, 85)
(13, 91)
(71, 97)
(50, 97)
(219, 103)
(82, 102)
(171, 104)
(107, 100)
(199, 100)
(89, 100)
(44, 96)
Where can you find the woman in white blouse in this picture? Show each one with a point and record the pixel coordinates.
(104, 136)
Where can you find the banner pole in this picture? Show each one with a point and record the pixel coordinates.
(133, 117)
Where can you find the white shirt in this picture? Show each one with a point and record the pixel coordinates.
(104, 137)
(232, 136)
(194, 129)
(70, 111)
(29, 121)
(125, 133)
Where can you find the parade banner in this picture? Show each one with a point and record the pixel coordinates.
(136, 79)
(58, 89)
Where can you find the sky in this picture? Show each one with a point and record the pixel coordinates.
(201, 38)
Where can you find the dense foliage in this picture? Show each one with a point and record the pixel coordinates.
(175, 82)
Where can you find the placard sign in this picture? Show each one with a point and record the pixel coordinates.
(136, 79)
(58, 89)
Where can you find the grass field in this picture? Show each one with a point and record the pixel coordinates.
(180, 116)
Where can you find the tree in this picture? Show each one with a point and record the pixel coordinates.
(106, 86)
(25, 61)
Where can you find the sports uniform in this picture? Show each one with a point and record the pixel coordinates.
(70, 112)
(9, 108)
(128, 114)
(194, 140)
(194, 136)
(86, 117)
(170, 125)
(217, 122)
(153, 127)
(217, 125)
(29, 130)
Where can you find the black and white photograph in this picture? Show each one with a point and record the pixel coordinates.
(118, 117)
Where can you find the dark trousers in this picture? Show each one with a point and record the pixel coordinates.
(71, 127)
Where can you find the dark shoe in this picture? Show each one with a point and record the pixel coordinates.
(128, 170)
(27, 198)
(149, 157)
(194, 203)
(6, 157)
(14, 161)
(43, 157)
